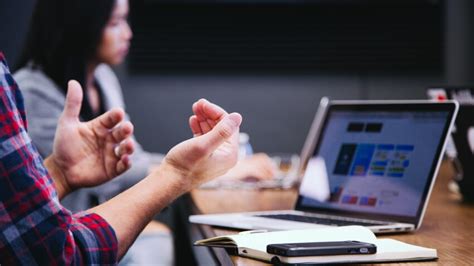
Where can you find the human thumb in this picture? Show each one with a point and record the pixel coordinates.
(73, 104)
(223, 131)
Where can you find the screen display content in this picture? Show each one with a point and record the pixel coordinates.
(377, 162)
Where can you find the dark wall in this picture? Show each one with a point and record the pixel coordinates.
(284, 36)
(273, 62)
(277, 110)
(15, 20)
(459, 32)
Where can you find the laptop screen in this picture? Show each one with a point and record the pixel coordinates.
(380, 159)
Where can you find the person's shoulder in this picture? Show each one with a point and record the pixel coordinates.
(110, 84)
(29, 77)
(105, 73)
(34, 81)
(29, 74)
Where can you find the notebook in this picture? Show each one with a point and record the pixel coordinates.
(253, 245)
(368, 163)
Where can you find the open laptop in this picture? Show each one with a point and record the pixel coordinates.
(370, 163)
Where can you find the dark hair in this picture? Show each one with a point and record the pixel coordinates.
(64, 36)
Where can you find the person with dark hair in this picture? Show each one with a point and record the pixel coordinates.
(35, 229)
(81, 39)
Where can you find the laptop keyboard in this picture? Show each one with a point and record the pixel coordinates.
(318, 220)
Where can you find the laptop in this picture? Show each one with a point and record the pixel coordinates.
(369, 163)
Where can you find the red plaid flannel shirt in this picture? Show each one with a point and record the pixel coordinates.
(34, 227)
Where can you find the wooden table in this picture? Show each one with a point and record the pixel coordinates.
(448, 225)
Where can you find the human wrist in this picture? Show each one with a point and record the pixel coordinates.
(181, 178)
(58, 176)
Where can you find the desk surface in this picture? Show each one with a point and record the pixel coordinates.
(448, 225)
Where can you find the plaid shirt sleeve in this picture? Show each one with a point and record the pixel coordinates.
(34, 227)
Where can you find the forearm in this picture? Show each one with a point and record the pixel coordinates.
(129, 212)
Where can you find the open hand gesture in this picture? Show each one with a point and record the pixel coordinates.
(213, 150)
(89, 153)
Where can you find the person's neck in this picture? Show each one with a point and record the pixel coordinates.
(92, 91)
(90, 75)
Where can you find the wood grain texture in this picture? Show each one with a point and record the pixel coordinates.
(448, 225)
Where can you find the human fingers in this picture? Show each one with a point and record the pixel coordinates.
(194, 125)
(124, 148)
(212, 123)
(224, 130)
(198, 128)
(122, 132)
(205, 127)
(268, 171)
(263, 166)
(212, 110)
(109, 119)
(205, 110)
(123, 164)
(269, 167)
(202, 125)
(197, 110)
(208, 114)
(72, 106)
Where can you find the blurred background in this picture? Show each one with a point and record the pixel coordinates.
(272, 60)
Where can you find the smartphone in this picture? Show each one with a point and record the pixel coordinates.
(321, 248)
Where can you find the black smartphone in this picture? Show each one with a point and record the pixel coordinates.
(321, 248)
